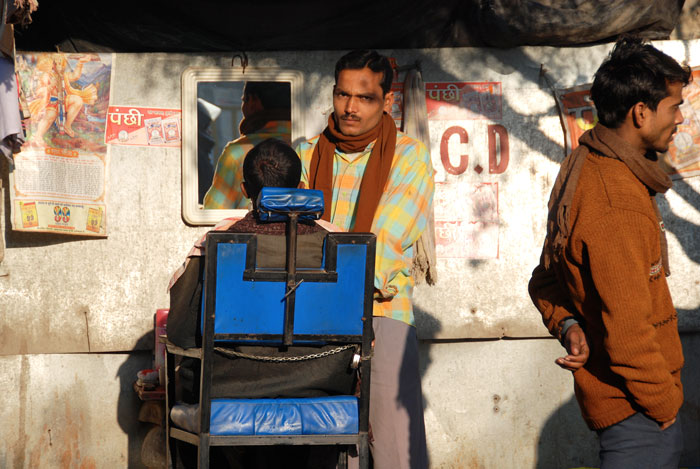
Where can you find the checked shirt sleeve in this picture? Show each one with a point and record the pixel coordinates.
(401, 218)
(305, 151)
(225, 190)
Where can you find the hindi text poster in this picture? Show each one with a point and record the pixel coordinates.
(146, 127)
(60, 175)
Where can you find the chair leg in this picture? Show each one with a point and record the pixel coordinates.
(364, 453)
(172, 456)
(203, 451)
(171, 446)
(343, 458)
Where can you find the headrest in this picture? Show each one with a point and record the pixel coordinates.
(274, 203)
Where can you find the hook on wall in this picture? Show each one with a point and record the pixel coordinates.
(243, 57)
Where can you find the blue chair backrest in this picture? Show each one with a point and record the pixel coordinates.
(249, 303)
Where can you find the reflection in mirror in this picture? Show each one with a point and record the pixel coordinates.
(263, 112)
(216, 126)
(225, 114)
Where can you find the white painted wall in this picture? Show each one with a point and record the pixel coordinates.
(65, 302)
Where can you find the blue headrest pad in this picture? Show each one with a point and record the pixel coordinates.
(275, 202)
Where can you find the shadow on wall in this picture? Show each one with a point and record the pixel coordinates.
(686, 232)
(433, 324)
(566, 441)
(502, 62)
(129, 403)
(690, 412)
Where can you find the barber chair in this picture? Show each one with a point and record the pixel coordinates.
(245, 304)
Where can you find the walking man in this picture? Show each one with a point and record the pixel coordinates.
(605, 260)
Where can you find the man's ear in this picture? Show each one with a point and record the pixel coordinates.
(243, 191)
(388, 102)
(640, 113)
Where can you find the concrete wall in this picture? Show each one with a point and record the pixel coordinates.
(70, 410)
(76, 313)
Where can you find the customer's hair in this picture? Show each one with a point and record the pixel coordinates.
(270, 163)
(272, 95)
(359, 59)
(634, 72)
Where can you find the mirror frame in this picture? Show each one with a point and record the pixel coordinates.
(192, 211)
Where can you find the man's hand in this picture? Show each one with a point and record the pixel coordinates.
(577, 347)
(663, 426)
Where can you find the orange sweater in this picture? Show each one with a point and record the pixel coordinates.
(614, 279)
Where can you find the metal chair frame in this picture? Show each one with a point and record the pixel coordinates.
(293, 279)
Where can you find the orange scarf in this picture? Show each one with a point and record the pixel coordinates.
(376, 173)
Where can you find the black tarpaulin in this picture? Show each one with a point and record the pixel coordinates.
(211, 25)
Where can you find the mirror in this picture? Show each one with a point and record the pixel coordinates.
(225, 112)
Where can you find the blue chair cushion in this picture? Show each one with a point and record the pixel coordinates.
(336, 415)
(274, 202)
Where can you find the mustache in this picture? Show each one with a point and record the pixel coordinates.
(349, 117)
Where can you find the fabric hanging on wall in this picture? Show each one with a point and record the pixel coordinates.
(11, 135)
(2, 227)
(415, 125)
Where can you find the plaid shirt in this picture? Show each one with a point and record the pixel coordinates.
(401, 216)
(225, 190)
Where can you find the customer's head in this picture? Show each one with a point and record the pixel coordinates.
(633, 73)
(270, 163)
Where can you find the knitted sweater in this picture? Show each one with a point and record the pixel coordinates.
(614, 277)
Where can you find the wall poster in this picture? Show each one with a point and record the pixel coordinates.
(146, 127)
(469, 148)
(59, 181)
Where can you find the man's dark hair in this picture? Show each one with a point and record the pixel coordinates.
(272, 95)
(633, 72)
(270, 163)
(359, 59)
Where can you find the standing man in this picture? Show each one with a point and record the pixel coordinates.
(606, 253)
(266, 109)
(380, 180)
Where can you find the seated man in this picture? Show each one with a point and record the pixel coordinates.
(271, 163)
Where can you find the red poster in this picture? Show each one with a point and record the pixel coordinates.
(464, 100)
(578, 112)
(148, 127)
